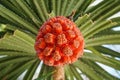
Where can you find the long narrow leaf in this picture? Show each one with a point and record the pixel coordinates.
(102, 59)
(68, 73)
(87, 70)
(75, 72)
(107, 51)
(18, 19)
(109, 39)
(29, 12)
(20, 41)
(7, 61)
(14, 53)
(104, 74)
(19, 70)
(64, 7)
(30, 73)
(40, 9)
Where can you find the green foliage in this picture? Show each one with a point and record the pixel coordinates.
(21, 20)
(45, 76)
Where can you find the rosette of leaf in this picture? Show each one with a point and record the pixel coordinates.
(22, 20)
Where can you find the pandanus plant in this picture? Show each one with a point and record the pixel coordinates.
(58, 39)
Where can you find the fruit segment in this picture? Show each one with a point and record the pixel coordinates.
(61, 39)
(49, 38)
(59, 42)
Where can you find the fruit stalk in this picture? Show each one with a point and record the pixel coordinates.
(59, 73)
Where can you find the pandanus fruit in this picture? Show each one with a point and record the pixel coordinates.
(59, 42)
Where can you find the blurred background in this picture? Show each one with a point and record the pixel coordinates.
(114, 47)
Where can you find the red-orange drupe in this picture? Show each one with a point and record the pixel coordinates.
(59, 42)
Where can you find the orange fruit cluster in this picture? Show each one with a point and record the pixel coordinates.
(59, 42)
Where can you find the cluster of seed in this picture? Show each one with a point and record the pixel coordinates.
(59, 42)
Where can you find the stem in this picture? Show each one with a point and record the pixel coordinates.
(71, 15)
(59, 73)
